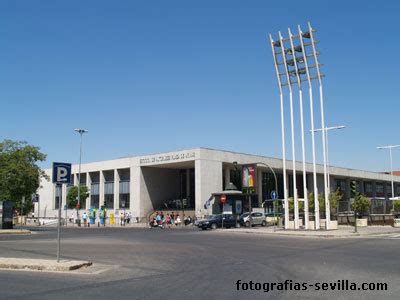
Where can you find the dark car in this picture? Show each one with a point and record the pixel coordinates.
(219, 221)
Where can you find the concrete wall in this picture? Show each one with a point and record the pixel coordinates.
(208, 180)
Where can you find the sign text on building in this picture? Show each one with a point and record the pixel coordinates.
(167, 158)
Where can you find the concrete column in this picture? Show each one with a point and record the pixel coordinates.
(227, 172)
(259, 187)
(208, 179)
(101, 189)
(116, 189)
(135, 196)
(187, 184)
(88, 185)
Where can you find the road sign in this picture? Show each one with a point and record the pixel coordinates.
(61, 172)
(35, 198)
(274, 195)
(222, 198)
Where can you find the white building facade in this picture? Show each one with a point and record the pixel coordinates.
(143, 184)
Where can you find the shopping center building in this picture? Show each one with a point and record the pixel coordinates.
(185, 180)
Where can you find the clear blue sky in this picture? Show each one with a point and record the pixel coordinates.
(151, 76)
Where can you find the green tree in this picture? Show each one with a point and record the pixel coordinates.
(396, 205)
(291, 204)
(334, 198)
(360, 204)
(321, 201)
(72, 196)
(19, 173)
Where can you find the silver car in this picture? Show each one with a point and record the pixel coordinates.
(253, 219)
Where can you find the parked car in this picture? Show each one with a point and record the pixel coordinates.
(219, 221)
(253, 219)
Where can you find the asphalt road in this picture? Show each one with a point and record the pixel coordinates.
(191, 264)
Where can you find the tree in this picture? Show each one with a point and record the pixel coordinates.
(321, 201)
(360, 204)
(396, 205)
(334, 198)
(72, 196)
(19, 173)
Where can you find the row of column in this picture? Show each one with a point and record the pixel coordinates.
(88, 183)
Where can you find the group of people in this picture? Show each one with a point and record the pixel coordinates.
(125, 218)
(161, 220)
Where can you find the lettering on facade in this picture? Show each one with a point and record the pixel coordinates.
(167, 158)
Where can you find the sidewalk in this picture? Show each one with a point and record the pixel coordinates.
(41, 264)
(343, 231)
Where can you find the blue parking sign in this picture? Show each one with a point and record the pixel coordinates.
(61, 172)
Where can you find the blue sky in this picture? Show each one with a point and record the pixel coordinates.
(151, 76)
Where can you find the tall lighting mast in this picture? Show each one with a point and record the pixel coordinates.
(300, 62)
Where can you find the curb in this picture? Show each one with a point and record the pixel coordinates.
(43, 265)
(14, 231)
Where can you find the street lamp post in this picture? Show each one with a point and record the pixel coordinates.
(81, 132)
(390, 147)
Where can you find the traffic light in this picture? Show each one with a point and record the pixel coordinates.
(353, 188)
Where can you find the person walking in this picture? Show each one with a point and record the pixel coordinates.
(122, 218)
(84, 217)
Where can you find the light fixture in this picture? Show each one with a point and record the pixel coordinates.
(277, 44)
(299, 60)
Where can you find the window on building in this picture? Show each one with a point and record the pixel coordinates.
(124, 190)
(380, 188)
(94, 201)
(358, 186)
(83, 178)
(340, 184)
(109, 201)
(368, 187)
(124, 201)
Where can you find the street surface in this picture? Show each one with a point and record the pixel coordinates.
(141, 263)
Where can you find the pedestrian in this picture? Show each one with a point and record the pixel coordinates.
(84, 217)
(168, 221)
(122, 218)
(158, 219)
(178, 220)
(128, 217)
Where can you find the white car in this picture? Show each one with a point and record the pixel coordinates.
(253, 219)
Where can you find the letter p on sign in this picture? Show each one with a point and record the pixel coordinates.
(61, 173)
